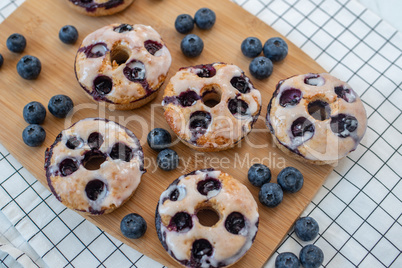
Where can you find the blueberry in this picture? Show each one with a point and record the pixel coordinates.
(29, 67)
(1, 60)
(306, 228)
(168, 160)
(275, 49)
(34, 135)
(261, 67)
(290, 179)
(205, 18)
(270, 194)
(16, 43)
(311, 256)
(34, 113)
(192, 45)
(60, 105)
(133, 226)
(259, 174)
(287, 260)
(68, 34)
(121, 151)
(184, 23)
(251, 47)
(208, 185)
(159, 139)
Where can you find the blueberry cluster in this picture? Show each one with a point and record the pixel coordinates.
(29, 67)
(310, 256)
(275, 49)
(289, 180)
(192, 45)
(34, 114)
(159, 139)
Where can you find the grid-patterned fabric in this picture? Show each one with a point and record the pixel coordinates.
(359, 206)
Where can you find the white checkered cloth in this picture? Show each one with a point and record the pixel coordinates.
(359, 206)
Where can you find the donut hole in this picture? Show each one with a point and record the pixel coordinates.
(119, 55)
(208, 216)
(93, 160)
(211, 97)
(319, 110)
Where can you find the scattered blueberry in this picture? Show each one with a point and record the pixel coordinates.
(259, 174)
(270, 194)
(261, 67)
(34, 135)
(306, 228)
(168, 160)
(16, 43)
(159, 139)
(290, 179)
(275, 49)
(133, 226)
(311, 256)
(1, 60)
(287, 260)
(29, 67)
(192, 45)
(34, 113)
(68, 34)
(60, 105)
(251, 47)
(184, 23)
(205, 18)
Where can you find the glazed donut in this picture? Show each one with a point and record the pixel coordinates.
(193, 244)
(99, 7)
(211, 107)
(316, 118)
(94, 166)
(122, 65)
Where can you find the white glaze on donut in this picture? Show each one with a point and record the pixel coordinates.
(131, 42)
(323, 144)
(120, 177)
(225, 128)
(232, 197)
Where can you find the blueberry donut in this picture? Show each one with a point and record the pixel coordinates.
(94, 166)
(189, 241)
(99, 7)
(211, 107)
(122, 65)
(316, 118)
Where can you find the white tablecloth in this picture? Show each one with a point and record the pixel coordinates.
(359, 206)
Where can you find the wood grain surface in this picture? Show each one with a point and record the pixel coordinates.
(40, 21)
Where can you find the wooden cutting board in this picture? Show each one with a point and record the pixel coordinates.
(40, 20)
